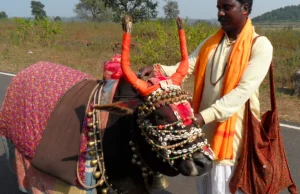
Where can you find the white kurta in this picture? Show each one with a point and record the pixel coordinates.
(215, 109)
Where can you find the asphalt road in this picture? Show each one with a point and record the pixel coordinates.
(177, 185)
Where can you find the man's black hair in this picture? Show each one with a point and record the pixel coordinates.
(249, 2)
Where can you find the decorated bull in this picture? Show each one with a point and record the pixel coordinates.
(67, 125)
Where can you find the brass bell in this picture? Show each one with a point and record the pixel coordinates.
(90, 114)
(157, 181)
(94, 163)
(91, 144)
(97, 174)
(104, 191)
(92, 152)
(91, 134)
(90, 125)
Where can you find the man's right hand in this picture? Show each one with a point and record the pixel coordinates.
(200, 119)
(145, 71)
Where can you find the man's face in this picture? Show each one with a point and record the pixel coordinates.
(230, 15)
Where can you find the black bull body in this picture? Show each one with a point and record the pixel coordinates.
(57, 152)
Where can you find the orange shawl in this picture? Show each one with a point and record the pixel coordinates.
(222, 143)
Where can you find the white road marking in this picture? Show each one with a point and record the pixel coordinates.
(290, 126)
(282, 125)
(8, 74)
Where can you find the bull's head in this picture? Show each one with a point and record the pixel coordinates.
(165, 117)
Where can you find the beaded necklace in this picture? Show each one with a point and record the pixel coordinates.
(213, 62)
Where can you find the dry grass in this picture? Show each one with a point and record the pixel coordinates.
(288, 106)
(82, 46)
(17, 59)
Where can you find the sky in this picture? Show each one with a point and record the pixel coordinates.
(193, 9)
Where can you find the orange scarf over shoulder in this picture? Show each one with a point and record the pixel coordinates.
(222, 143)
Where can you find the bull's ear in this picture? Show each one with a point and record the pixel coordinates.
(120, 108)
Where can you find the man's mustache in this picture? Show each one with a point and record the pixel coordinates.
(221, 19)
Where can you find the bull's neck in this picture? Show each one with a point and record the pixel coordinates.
(122, 174)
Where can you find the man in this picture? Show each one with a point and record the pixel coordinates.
(229, 68)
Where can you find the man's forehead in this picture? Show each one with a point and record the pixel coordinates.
(222, 2)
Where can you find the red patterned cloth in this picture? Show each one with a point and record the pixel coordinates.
(112, 68)
(29, 101)
(158, 71)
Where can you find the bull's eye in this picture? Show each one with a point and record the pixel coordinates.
(158, 119)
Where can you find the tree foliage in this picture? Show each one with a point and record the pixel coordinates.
(57, 19)
(140, 10)
(3, 15)
(93, 10)
(171, 9)
(37, 10)
(291, 13)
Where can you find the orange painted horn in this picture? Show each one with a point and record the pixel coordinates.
(139, 84)
(182, 69)
(130, 76)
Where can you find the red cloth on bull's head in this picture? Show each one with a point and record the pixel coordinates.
(112, 68)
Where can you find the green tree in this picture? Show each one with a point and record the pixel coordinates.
(171, 9)
(3, 15)
(93, 10)
(57, 19)
(288, 13)
(37, 10)
(139, 10)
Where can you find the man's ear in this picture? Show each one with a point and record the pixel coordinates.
(245, 8)
(119, 108)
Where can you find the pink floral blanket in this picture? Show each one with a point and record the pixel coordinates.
(29, 101)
